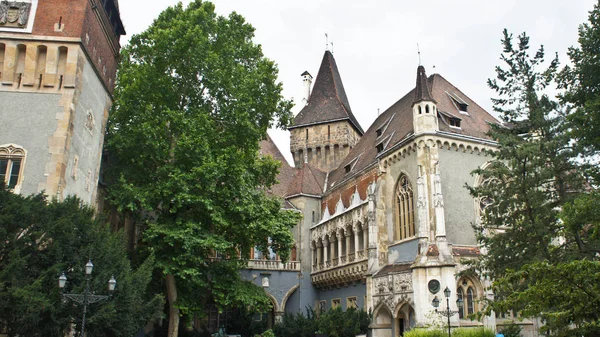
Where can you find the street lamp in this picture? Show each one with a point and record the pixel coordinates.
(87, 297)
(447, 313)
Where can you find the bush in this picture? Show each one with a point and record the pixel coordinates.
(456, 332)
(426, 333)
(473, 332)
(333, 323)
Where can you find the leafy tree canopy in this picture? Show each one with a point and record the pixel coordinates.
(194, 97)
(38, 241)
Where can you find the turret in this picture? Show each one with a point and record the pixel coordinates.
(325, 130)
(424, 106)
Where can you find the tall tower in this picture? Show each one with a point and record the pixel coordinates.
(325, 130)
(58, 61)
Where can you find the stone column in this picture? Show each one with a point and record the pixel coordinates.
(340, 237)
(10, 63)
(314, 258)
(332, 249)
(348, 243)
(325, 248)
(365, 238)
(356, 229)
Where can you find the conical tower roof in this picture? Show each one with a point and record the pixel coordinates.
(422, 92)
(328, 101)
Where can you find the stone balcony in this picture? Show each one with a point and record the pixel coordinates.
(273, 265)
(340, 271)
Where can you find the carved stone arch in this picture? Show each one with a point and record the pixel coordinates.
(274, 302)
(382, 305)
(287, 296)
(401, 304)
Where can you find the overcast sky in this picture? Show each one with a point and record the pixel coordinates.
(375, 42)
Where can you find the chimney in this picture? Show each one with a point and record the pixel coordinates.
(307, 80)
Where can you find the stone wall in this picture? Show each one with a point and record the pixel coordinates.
(324, 145)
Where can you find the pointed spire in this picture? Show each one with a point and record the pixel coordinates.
(328, 101)
(422, 92)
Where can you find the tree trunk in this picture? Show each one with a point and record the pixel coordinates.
(173, 310)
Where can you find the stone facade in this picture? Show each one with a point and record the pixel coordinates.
(323, 146)
(395, 222)
(57, 74)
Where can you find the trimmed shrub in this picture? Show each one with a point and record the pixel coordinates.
(456, 332)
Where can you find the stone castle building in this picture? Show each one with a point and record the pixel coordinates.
(387, 220)
(58, 63)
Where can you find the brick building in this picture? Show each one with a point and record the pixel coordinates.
(58, 63)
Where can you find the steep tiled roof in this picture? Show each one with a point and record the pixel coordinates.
(399, 121)
(393, 269)
(286, 172)
(307, 180)
(328, 101)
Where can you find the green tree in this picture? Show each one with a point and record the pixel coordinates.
(194, 97)
(582, 83)
(531, 185)
(38, 241)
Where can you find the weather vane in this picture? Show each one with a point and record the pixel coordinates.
(419, 52)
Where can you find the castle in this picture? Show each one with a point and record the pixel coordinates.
(387, 220)
(58, 62)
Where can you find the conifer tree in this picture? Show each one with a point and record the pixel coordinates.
(39, 240)
(536, 250)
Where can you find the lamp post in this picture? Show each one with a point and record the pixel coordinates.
(87, 297)
(447, 313)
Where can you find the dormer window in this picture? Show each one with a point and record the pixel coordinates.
(460, 104)
(379, 132)
(454, 122)
(450, 119)
(348, 168)
(379, 147)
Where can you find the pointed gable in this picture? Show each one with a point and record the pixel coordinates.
(328, 101)
(308, 181)
(286, 172)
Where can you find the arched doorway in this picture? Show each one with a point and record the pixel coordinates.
(404, 318)
(382, 322)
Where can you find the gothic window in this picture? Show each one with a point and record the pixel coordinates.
(11, 165)
(470, 304)
(405, 220)
(460, 295)
(466, 291)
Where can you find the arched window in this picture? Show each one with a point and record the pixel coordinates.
(405, 220)
(427, 108)
(459, 295)
(11, 165)
(466, 290)
(470, 303)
